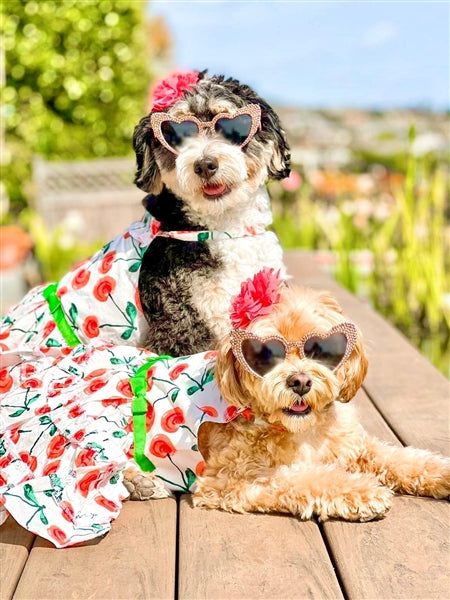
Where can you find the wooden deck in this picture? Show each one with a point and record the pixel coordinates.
(167, 549)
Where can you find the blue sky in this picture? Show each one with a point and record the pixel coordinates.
(369, 54)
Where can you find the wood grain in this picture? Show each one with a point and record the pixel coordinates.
(15, 544)
(135, 560)
(406, 555)
(255, 556)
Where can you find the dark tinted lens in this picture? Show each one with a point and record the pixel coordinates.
(175, 133)
(328, 351)
(263, 357)
(235, 130)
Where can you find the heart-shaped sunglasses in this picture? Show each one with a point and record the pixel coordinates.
(238, 129)
(259, 355)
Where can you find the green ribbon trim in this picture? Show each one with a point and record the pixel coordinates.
(54, 303)
(139, 409)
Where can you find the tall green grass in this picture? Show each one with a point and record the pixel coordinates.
(398, 258)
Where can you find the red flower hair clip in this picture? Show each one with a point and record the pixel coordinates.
(167, 91)
(257, 296)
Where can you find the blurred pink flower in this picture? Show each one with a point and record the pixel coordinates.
(292, 183)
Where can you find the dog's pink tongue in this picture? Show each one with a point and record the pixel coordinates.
(299, 407)
(211, 189)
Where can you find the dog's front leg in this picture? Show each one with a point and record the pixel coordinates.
(408, 470)
(325, 491)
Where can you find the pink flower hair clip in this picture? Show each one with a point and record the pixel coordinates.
(167, 91)
(257, 296)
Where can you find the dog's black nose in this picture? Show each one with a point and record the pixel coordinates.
(206, 167)
(300, 383)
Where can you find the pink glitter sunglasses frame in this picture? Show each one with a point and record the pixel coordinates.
(252, 110)
(238, 336)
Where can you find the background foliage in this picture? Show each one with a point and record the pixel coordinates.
(76, 82)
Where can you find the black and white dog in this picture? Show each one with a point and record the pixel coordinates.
(204, 154)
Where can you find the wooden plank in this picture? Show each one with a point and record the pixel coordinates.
(408, 390)
(15, 544)
(136, 559)
(404, 555)
(233, 556)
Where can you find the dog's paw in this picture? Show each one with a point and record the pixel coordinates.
(143, 486)
(358, 505)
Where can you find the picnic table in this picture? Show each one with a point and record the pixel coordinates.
(168, 549)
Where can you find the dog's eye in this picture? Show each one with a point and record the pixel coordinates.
(176, 133)
(328, 351)
(235, 130)
(262, 357)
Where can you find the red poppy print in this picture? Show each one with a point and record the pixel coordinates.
(5, 461)
(231, 413)
(115, 402)
(6, 381)
(79, 435)
(161, 446)
(172, 419)
(80, 279)
(137, 300)
(75, 412)
(209, 410)
(57, 534)
(42, 410)
(200, 468)
(61, 291)
(211, 354)
(94, 374)
(4, 335)
(95, 385)
(56, 447)
(88, 482)
(29, 460)
(85, 458)
(67, 511)
(33, 383)
(103, 288)
(14, 434)
(90, 326)
(149, 417)
(49, 327)
(176, 371)
(27, 370)
(124, 388)
(108, 504)
(107, 262)
(51, 467)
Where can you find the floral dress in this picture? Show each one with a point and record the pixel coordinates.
(99, 298)
(71, 419)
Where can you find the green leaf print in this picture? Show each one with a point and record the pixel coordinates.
(127, 333)
(119, 434)
(45, 420)
(116, 361)
(193, 389)
(174, 395)
(2, 448)
(43, 518)
(135, 267)
(131, 311)
(209, 376)
(29, 494)
(18, 412)
(52, 343)
(73, 313)
(202, 237)
(190, 476)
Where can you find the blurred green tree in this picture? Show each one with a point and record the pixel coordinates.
(76, 82)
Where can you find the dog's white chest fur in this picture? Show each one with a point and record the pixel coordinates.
(241, 258)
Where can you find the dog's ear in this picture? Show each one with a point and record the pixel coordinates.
(279, 166)
(148, 176)
(353, 371)
(227, 377)
(329, 302)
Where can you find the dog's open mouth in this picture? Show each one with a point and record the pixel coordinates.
(298, 409)
(214, 190)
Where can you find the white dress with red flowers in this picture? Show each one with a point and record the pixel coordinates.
(68, 423)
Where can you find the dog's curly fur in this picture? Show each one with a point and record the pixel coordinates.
(322, 463)
(186, 287)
